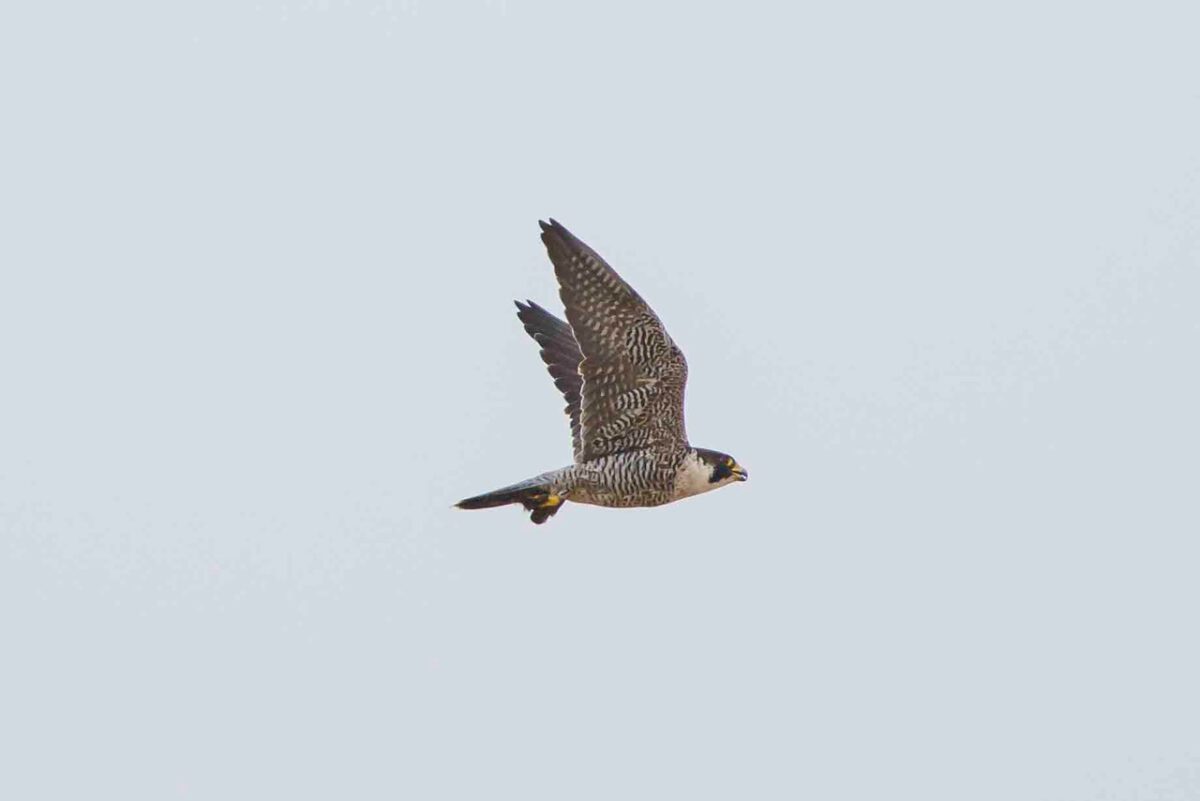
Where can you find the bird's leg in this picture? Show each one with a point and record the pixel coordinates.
(543, 505)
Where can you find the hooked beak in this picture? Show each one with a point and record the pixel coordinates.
(740, 473)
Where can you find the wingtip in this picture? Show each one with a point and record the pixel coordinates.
(527, 308)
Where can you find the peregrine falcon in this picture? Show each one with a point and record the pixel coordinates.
(623, 379)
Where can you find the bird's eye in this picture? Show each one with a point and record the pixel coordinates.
(729, 461)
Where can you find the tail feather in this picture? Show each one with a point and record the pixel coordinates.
(537, 498)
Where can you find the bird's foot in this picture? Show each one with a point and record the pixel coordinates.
(543, 506)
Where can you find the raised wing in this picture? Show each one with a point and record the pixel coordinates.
(561, 354)
(633, 374)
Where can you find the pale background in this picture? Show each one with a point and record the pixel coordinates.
(936, 270)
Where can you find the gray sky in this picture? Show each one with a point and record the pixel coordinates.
(935, 270)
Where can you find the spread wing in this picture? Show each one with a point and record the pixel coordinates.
(633, 374)
(561, 354)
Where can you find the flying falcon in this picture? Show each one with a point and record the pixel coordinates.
(623, 380)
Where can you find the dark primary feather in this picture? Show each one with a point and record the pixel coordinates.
(561, 354)
(633, 374)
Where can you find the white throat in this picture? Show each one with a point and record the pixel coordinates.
(692, 477)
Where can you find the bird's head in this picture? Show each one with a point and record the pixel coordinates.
(723, 468)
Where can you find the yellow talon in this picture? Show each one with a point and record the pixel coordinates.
(552, 500)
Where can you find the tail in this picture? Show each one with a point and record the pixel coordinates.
(535, 495)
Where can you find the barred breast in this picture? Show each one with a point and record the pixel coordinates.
(643, 477)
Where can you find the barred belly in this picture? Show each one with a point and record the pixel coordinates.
(634, 478)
